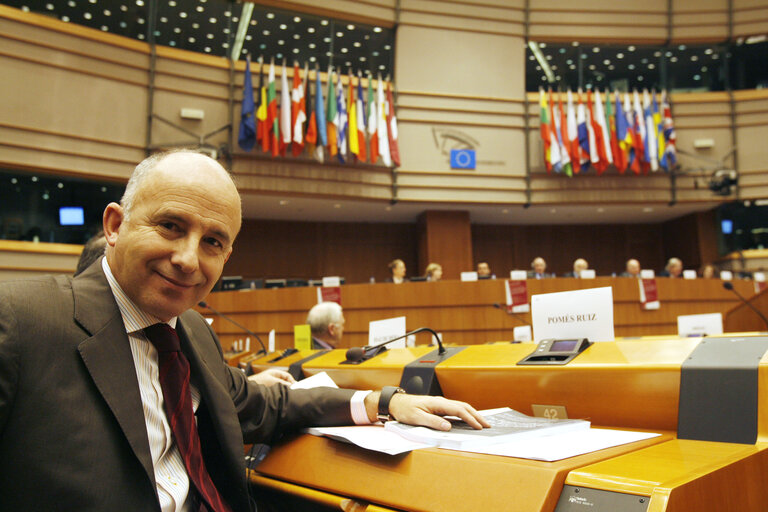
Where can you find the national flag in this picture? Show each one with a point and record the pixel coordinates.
(563, 137)
(640, 141)
(581, 125)
(557, 118)
(354, 146)
(392, 126)
(546, 140)
(606, 158)
(651, 140)
(573, 136)
(670, 139)
(633, 143)
(360, 109)
(596, 149)
(554, 144)
(298, 111)
(310, 136)
(320, 122)
(373, 116)
(262, 131)
(381, 123)
(246, 137)
(659, 126)
(285, 112)
(330, 116)
(341, 120)
(617, 123)
(273, 124)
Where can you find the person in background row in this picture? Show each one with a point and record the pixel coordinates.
(632, 268)
(434, 272)
(707, 271)
(483, 270)
(397, 269)
(538, 269)
(674, 268)
(92, 250)
(326, 320)
(578, 265)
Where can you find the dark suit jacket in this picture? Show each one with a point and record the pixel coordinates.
(72, 430)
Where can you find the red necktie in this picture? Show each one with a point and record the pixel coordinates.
(174, 381)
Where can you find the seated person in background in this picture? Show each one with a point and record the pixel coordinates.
(92, 250)
(434, 272)
(326, 321)
(707, 271)
(578, 265)
(397, 268)
(538, 269)
(674, 268)
(483, 270)
(632, 268)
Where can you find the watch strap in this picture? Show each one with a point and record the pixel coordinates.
(387, 392)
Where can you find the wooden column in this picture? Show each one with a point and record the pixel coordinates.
(445, 237)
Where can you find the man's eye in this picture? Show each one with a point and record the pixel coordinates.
(214, 242)
(168, 225)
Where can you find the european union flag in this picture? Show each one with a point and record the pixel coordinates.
(247, 136)
(462, 159)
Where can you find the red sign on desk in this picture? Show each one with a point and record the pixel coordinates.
(329, 294)
(649, 294)
(517, 296)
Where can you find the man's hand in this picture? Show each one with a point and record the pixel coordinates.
(426, 411)
(272, 376)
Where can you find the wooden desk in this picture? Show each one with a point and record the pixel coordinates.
(462, 311)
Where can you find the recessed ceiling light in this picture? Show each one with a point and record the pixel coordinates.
(270, 15)
(296, 19)
(647, 209)
(350, 27)
(283, 202)
(377, 29)
(323, 22)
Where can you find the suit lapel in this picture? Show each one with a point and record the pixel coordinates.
(107, 356)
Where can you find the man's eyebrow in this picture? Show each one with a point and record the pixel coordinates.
(181, 219)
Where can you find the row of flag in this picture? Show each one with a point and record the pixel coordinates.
(627, 134)
(350, 126)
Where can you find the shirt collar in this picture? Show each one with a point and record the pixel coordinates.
(134, 318)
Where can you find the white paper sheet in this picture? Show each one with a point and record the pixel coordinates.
(317, 380)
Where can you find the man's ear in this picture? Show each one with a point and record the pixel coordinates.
(114, 216)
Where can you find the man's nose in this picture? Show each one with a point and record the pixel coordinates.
(185, 255)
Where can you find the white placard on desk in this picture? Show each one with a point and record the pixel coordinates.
(587, 274)
(647, 274)
(380, 331)
(700, 325)
(518, 275)
(574, 314)
(331, 281)
(726, 275)
(689, 274)
(469, 276)
(522, 333)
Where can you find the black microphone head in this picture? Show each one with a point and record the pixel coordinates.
(728, 285)
(355, 354)
(497, 305)
(202, 304)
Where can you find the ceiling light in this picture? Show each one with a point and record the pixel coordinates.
(377, 29)
(296, 19)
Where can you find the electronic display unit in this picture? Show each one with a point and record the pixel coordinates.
(71, 216)
(555, 351)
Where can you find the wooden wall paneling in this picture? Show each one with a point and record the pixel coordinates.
(445, 237)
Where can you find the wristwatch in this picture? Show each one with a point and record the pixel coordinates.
(387, 392)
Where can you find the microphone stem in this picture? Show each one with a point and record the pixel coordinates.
(225, 317)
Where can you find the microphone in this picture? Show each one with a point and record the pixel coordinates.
(204, 304)
(510, 313)
(729, 286)
(359, 354)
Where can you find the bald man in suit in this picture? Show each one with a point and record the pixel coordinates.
(82, 419)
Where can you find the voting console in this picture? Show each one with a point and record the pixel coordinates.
(705, 396)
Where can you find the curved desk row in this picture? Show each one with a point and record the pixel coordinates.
(700, 394)
(463, 312)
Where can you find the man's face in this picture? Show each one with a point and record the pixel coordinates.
(483, 269)
(539, 266)
(399, 270)
(171, 250)
(633, 267)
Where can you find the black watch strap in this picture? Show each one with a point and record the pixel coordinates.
(387, 392)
